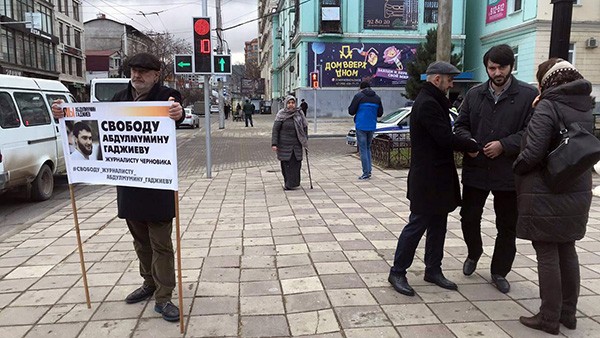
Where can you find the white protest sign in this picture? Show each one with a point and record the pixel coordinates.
(120, 143)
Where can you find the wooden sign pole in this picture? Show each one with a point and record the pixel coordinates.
(80, 248)
(179, 283)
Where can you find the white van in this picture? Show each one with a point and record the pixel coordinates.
(30, 146)
(103, 90)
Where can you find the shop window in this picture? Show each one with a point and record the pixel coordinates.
(571, 57)
(516, 52)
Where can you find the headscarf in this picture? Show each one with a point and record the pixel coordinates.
(300, 122)
(562, 72)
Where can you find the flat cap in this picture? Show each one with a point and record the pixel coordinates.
(145, 60)
(442, 67)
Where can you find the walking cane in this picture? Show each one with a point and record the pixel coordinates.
(308, 166)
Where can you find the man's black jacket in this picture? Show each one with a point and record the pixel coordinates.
(433, 187)
(140, 204)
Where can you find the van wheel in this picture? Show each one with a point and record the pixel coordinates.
(43, 185)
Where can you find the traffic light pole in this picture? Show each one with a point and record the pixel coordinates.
(207, 108)
(220, 51)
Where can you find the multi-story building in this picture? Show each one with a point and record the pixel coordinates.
(251, 51)
(526, 26)
(349, 41)
(265, 43)
(27, 39)
(71, 56)
(113, 42)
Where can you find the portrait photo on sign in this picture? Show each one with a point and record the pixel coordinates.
(84, 140)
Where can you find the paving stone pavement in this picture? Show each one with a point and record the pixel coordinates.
(261, 261)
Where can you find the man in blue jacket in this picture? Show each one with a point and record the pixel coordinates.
(366, 107)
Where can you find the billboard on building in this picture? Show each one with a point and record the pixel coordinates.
(496, 10)
(347, 64)
(391, 14)
(253, 86)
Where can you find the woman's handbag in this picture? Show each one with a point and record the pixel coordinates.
(577, 152)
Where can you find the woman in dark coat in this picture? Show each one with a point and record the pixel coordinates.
(554, 220)
(288, 138)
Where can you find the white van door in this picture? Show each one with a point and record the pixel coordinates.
(32, 141)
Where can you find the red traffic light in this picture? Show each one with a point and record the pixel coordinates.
(314, 79)
(202, 27)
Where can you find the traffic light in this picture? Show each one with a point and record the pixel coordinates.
(202, 46)
(183, 64)
(222, 64)
(314, 79)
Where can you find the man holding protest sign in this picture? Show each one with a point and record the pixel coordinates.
(149, 213)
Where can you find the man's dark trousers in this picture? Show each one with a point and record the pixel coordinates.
(409, 239)
(505, 207)
(248, 117)
(152, 243)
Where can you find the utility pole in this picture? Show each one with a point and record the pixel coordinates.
(220, 51)
(444, 31)
(560, 34)
(207, 108)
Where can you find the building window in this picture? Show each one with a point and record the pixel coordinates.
(77, 38)
(61, 32)
(331, 21)
(514, 5)
(431, 11)
(59, 2)
(66, 7)
(76, 11)
(68, 37)
(79, 67)
(63, 63)
(516, 52)
(7, 9)
(571, 57)
(576, 2)
(22, 7)
(46, 13)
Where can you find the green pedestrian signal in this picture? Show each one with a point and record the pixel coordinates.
(222, 64)
(183, 64)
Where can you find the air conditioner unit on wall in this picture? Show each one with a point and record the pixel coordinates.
(591, 43)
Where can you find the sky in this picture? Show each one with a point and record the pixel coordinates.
(176, 18)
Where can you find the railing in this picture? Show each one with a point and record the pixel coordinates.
(393, 151)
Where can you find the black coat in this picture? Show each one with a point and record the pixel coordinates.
(433, 186)
(285, 138)
(545, 215)
(485, 121)
(140, 204)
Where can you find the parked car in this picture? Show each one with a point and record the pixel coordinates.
(214, 108)
(103, 90)
(30, 144)
(191, 119)
(394, 126)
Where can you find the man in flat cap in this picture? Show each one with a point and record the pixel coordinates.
(149, 212)
(433, 188)
(495, 113)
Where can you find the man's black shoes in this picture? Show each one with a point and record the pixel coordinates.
(142, 293)
(400, 284)
(501, 283)
(469, 266)
(169, 311)
(441, 281)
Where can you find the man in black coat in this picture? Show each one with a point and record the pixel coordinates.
(433, 187)
(149, 212)
(494, 113)
(304, 106)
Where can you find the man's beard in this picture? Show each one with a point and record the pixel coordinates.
(83, 149)
(502, 79)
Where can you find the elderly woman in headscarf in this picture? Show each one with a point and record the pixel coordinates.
(553, 220)
(288, 138)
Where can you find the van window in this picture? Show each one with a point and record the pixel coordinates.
(53, 97)
(104, 92)
(33, 109)
(8, 113)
